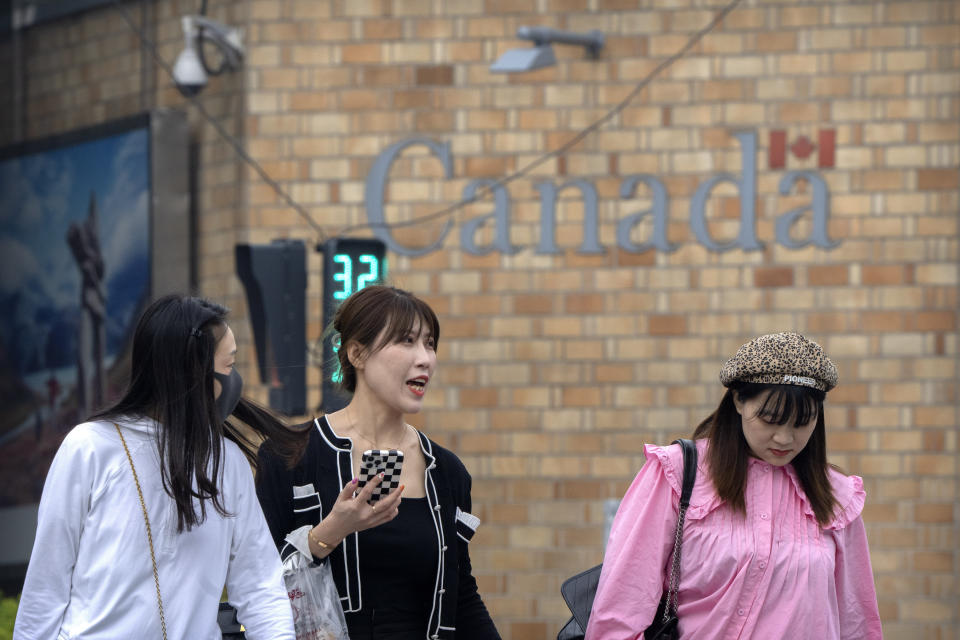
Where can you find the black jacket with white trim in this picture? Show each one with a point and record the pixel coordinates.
(302, 496)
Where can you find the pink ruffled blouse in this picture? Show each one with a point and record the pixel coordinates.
(774, 574)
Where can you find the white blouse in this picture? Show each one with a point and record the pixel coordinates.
(90, 574)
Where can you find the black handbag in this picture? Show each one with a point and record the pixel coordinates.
(579, 591)
(230, 627)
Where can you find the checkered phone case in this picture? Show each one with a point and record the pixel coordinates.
(386, 461)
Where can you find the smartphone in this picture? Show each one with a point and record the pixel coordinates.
(389, 462)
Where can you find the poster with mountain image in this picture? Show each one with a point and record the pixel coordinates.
(74, 276)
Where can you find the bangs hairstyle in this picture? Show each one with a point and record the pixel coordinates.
(376, 311)
(728, 453)
(787, 402)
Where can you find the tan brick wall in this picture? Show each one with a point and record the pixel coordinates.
(555, 369)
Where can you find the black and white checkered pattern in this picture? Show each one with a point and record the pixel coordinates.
(386, 461)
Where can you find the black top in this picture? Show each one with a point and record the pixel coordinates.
(302, 496)
(400, 557)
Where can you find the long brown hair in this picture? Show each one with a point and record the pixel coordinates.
(728, 452)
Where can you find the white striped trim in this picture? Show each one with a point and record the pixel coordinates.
(468, 519)
(304, 490)
(313, 506)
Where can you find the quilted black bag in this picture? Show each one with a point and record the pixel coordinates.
(579, 591)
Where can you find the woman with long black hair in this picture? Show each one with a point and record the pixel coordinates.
(149, 508)
(773, 545)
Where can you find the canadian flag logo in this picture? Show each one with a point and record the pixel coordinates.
(802, 148)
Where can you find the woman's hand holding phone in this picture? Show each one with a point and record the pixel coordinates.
(359, 510)
(351, 514)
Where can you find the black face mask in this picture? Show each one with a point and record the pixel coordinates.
(231, 386)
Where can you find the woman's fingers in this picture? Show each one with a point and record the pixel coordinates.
(387, 508)
(347, 492)
(358, 510)
(392, 501)
(367, 492)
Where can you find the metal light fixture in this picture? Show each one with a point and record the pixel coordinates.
(541, 55)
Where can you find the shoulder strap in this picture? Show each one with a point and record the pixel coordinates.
(146, 520)
(689, 478)
(689, 469)
(579, 590)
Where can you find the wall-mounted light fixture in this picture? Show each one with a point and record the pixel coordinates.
(541, 55)
(191, 70)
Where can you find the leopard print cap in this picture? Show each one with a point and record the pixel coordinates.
(781, 358)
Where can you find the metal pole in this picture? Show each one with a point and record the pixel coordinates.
(147, 73)
(17, 110)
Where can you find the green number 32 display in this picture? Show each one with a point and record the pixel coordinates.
(349, 264)
(355, 272)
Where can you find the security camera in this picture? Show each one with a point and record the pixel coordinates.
(190, 72)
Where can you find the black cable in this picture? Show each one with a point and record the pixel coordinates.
(201, 52)
(152, 48)
(485, 190)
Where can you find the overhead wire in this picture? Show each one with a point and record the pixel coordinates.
(479, 193)
(490, 187)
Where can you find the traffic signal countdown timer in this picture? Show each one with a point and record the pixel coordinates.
(349, 264)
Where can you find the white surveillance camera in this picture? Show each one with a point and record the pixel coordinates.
(190, 72)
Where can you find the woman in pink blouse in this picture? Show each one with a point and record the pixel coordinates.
(774, 546)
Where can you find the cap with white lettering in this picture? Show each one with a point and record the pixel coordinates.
(781, 358)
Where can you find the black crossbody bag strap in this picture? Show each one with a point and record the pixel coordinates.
(689, 478)
(579, 590)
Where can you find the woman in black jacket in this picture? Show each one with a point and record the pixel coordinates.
(402, 567)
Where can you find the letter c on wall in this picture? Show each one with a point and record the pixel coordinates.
(376, 186)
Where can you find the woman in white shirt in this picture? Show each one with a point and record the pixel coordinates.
(98, 570)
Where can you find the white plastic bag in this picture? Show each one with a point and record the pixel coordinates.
(317, 614)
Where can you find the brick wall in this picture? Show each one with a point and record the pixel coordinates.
(555, 369)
